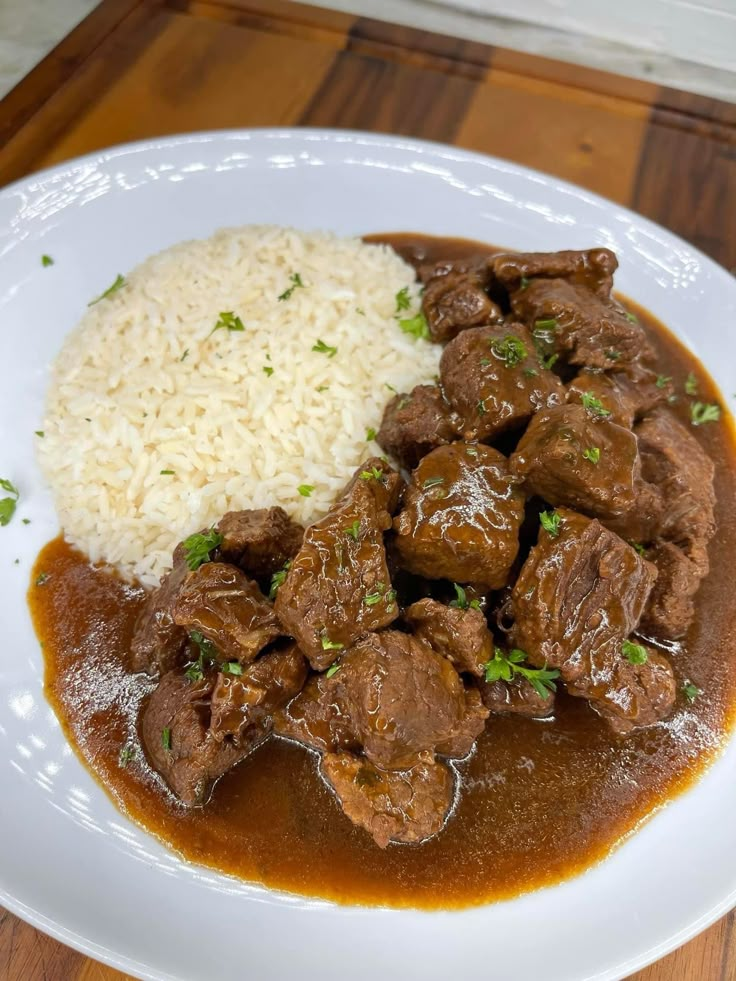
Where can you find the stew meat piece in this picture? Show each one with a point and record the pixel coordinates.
(259, 542)
(592, 268)
(671, 606)
(461, 516)
(317, 717)
(397, 805)
(176, 734)
(516, 697)
(414, 425)
(158, 643)
(571, 456)
(626, 395)
(338, 586)
(406, 702)
(460, 635)
(494, 379)
(227, 608)
(455, 297)
(579, 596)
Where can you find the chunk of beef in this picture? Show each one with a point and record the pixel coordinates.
(578, 325)
(176, 734)
(415, 424)
(259, 542)
(158, 642)
(516, 697)
(591, 268)
(269, 682)
(627, 395)
(671, 606)
(461, 516)
(397, 805)
(460, 635)
(571, 456)
(386, 486)
(405, 701)
(455, 297)
(579, 596)
(219, 602)
(494, 379)
(317, 718)
(338, 586)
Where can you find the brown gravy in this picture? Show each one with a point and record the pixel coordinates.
(541, 800)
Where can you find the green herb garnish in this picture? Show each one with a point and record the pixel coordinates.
(127, 753)
(375, 473)
(8, 504)
(333, 669)
(403, 299)
(461, 601)
(523, 283)
(370, 435)
(231, 667)
(663, 381)
(416, 326)
(432, 482)
(480, 407)
(198, 547)
(296, 283)
(638, 547)
(42, 578)
(305, 489)
(691, 384)
(634, 653)
(632, 318)
(46, 261)
(228, 321)
(166, 473)
(550, 521)
(277, 579)
(594, 405)
(166, 739)
(471, 451)
(504, 667)
(267, 370)
(353, 530)
(119, 282)
(40, 433)
(593, 454)
(548, 362)
(549, 324)
(321, 348)
(330, 645)
(370, 599)
(691, 691)
(701, 412)
(511, 350)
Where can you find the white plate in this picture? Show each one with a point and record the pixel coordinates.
(69, 863)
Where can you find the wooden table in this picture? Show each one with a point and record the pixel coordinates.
(141, 68)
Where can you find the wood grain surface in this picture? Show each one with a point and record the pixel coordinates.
(141, 68)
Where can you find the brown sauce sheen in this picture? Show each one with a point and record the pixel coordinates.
(540, 800)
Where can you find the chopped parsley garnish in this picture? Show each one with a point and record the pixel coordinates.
(305, 489)
(484, 362)
(26, 521)
(166, 473)
(461, 601)
(267, 370)
(638, 547)
(511, 350)
(691, 691)
(549, 324)
(663, 381)
(8, 504)
(403, 299)
(330, 645)
(634, 653)
(370, 435)
(333, 669)
(403, 402)
(523, 283)
(277, 580)
(613, 355)
(375, 473)
(481, 407)
(504, 667)
(593, 454)
(390, 388)
(231, 667)
(321, 348)
(372, 598)
(119, 282)
(166, 739)
(530, 372)
(228, 321)
(296, 283)
(360, 310)
(432, 482)
(40, 433)
(632, 318)
(701, 412)
(185, 355)
(691, 384)
(198, 547)
(354, 530)
(594, 405)
(390, 598)
(46, 261)
(322, 388)
(127, 753)
(416, 326)
(471, 451)
(548, 362)
(550, 521)
(42, 578)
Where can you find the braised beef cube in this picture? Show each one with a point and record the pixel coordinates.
(317, 718)
(338, 586)
(176, 734)
(577, 325)
(579, 596)
(158, 643)
(405, 701)
(476, 265)
(259, 542)
(459, 634)
(570, 455)
(251, 698)
(384, 483)
(516, 697)
(473, 722)
(461, 516)
(415, 424)
(671, 606)
(494, 379)
(228, 609)
(627, 395)
(396, 805)
(591, 268)
(456, 298)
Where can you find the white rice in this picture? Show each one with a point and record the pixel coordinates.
(144, 386)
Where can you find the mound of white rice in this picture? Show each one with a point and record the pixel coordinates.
(143, 387)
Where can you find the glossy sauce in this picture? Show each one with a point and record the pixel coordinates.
(539, 801)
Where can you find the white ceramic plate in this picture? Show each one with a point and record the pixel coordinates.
(69, 863)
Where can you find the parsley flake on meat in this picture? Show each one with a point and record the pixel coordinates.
(433, 482)
(354, 530)
(691, 691)
(663, 381)
(375, 473)
(166, 739)
(593, 454)
(632, 318)
(198, 548)
(127, 753)
(550, 521)
(701, 412)
(511, 350)
(8, 504)
(231, 667)
(461, 601)
(277, 579)
(43, 577)
(594, 405)
(503, 667)
(333, 669)
(634, 653)
(118, 284)
(330, 645)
